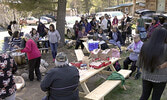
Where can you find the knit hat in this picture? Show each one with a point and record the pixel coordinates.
(61, 57)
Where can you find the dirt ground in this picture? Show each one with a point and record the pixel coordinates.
(32, 90)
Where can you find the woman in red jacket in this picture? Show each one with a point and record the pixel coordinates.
(34, 57)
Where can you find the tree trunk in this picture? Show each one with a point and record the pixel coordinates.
(117, 2)
(60, 25)
(134, 7)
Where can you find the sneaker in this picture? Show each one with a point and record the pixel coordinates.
(53, 60)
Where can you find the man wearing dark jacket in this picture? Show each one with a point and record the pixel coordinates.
(61, 82)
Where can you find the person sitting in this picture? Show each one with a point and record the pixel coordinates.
(103, 39)
(134, 49)
(34, 34)
(61, 82)
(15, 41)
(115, 38)
(81, 34)
(7, 84)
(92, 34)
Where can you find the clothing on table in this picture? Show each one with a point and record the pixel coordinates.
(61, 83)
(7, 69)
(31, 49)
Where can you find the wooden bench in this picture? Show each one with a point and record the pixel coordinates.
(79, 53)
(101, 91)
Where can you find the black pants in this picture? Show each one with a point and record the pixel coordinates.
(133, 65)
(156, 88)
(78, 43)
(34, 64)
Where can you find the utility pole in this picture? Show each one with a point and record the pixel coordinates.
(134, 7)
(117, 2)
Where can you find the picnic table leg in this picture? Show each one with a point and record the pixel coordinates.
(112, 68)
(102, 98)
(85, 88)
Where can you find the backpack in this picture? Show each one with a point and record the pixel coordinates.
(104, 46)
(117, 66)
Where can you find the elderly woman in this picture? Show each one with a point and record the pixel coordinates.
(34, 57)
(61, 82)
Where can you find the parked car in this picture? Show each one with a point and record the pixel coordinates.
(70, 21)
(112, 14)
(145, 12)
(49, 20)
(22, 21)
(33, 20)
(52, 17)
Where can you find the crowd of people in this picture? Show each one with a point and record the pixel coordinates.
(61, 82)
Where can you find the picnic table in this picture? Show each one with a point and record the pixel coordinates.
(42, 43)
(86, 74)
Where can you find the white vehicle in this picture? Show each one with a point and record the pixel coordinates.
(112, 14)
(33, 20)
(49, 20)
(70, 21)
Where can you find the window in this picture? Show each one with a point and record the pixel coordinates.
(126, 9)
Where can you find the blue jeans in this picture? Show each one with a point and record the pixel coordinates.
(53, 47)
(141, 29)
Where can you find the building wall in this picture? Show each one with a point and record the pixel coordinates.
(152, 5)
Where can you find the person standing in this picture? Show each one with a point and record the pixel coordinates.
(155, 24)
(9, 28)
(54, 38)
(103, 24)
(34, 57)
(93, 23)
(140, 24)
(76, 28)
(7, 85)
(115, 22)
(153, 61)
(15, 27)
(122, 23)
(61, 82)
